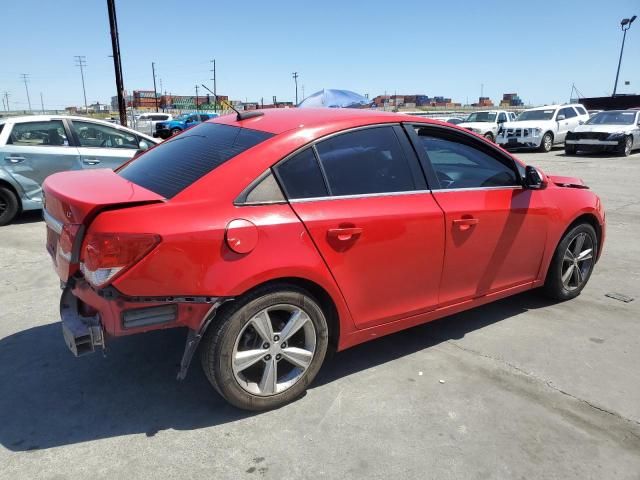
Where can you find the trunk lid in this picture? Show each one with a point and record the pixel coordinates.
(71, 202)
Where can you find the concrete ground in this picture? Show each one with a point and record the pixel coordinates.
(522, 388)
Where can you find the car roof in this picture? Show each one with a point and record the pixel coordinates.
(279, 120)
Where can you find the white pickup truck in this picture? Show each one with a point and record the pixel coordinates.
(542, 127)
(487, 123)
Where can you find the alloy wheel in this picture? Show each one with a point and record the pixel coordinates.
(273, 350)
(547, 142)
(577, 261)
(627, 146)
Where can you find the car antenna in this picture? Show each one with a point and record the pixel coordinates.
(240, 115)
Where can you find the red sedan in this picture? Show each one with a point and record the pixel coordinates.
(277, 236)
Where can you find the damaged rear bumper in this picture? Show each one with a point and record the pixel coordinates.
(82, 334)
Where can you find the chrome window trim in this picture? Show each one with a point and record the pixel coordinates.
(475, 189)
(55, 224)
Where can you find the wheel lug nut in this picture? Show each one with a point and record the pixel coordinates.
(276, 338)
(284, 345)
(278, 357)
(265, 346)
(267, 357)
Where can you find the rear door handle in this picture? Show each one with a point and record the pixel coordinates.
(12, 159)
(344, 234)
(91, 161)
(465, 223)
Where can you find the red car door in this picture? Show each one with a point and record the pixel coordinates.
(495, 229)
(363, 199)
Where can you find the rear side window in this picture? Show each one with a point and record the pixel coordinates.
(301, 176)
(581, 110)
(568, 112)
(365, 161)
(175, 164)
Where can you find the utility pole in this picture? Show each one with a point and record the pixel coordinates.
(295, 79)
(81, 61)
(625, 24)
(215, 90)
(6, 100)
(155, 90)
(25, 79)
(197, 109)
(42, 103)
(117, 64)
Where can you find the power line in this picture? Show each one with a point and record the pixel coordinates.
(81, 61)
(25, 79)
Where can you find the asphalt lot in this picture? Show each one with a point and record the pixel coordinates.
(522, 388)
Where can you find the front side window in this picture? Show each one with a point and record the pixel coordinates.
(175, 164)
(46, 134)
(365, 161)
(568, 112)
(502, 117)
(100, 136)
(482, 117)
(459, 165)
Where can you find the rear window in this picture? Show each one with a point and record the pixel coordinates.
(175, 164)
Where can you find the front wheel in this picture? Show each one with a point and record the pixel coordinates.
(9, 206)
(572, 263)
(547, 142)
(266, 349)
(625, 151)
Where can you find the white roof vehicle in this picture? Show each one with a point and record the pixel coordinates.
(487, 123)
(609, 131)
(146, 122)
(541, 127)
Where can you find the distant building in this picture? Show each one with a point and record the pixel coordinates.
(71, 110)
(511, 100)
(413, 101)
(483, 102)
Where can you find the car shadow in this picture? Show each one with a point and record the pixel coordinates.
(30, 216)
(50, 398)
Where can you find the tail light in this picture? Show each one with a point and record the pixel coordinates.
(67, 241)
(106, 255)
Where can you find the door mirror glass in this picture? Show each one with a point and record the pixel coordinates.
(533, 178)
(143, 145)
(560, 117)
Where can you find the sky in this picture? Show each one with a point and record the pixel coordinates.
(450, 48)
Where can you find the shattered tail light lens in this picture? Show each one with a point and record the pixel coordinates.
(106, 255)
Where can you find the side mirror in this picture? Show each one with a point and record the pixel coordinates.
(580, 122)
(142, 146)
(533, 178)
(560, 118)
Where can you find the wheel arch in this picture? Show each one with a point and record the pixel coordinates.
(592, 220)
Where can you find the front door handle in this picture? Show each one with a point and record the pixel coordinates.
(464, 224)
(13, 159)
(344, 234)
(91, 161)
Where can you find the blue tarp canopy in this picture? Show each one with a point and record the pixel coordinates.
(333, 98)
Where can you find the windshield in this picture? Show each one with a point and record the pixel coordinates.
(481, 117)
(536, 115)
(612, 118)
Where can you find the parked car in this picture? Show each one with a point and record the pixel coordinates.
(33, 147)
(180, 123)
(541, 127)
(146, 123)
(486, 123)
(277, 236)
(611, 131)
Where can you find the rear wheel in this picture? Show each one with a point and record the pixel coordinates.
(489, 136)
(266, 349)
(9, 205)
(570, 149)
(572, 263)
(547, 142)
(175, 131)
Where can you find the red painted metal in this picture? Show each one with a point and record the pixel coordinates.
(387, 262)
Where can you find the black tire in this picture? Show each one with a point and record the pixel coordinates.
(489, 136)
(554, 286)
(9, 205)
(546, 144)
(216, 351)
(175, 131)
(570, 149)
(625, 149)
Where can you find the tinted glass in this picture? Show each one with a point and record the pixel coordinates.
(502, 117)
(96, 135)
(301, 176)
(458, 165)
(613, 117)
(568, 112)
(581, 111)
(175, 164)
(266, 191)
(365, 161)
(45, 134)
